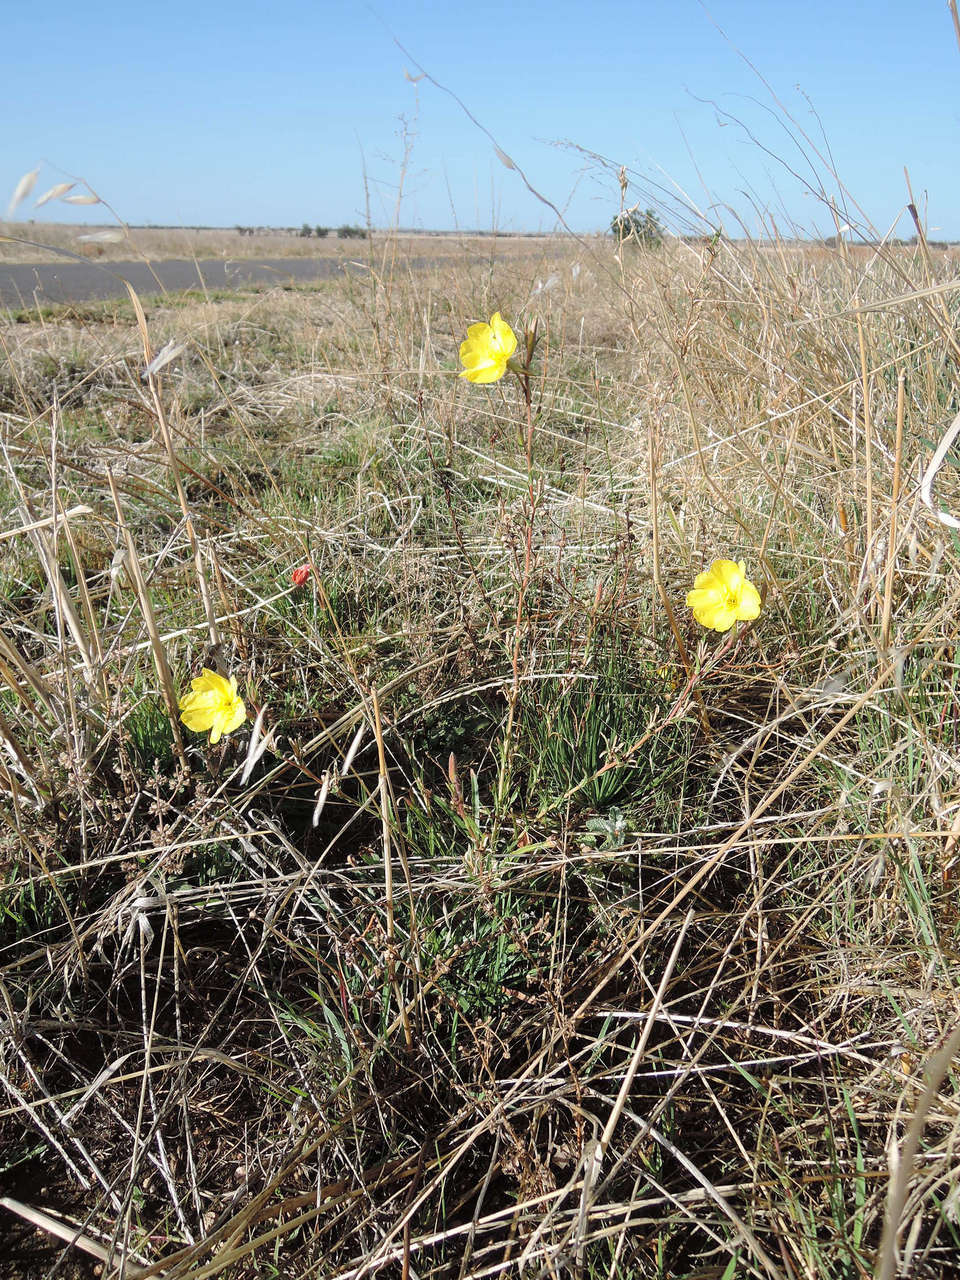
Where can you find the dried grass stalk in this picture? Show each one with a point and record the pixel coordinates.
(146, 609)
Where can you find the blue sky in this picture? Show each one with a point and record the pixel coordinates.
(217, 114)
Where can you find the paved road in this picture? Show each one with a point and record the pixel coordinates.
(49, 282)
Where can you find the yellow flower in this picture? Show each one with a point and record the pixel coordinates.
(213, 704)
(486, 350)
(723, 596)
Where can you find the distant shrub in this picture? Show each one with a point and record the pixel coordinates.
(306, 230)
(351, 233)
(646, 228)
(321, 232)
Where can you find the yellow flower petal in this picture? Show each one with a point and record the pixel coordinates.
(486, 349)
(213, 703)
(722, 595)
(504, 337)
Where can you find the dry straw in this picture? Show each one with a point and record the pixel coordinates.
(451, 1012)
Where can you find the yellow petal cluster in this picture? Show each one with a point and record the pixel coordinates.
(486, 349)
(213, 704)
(722, 596)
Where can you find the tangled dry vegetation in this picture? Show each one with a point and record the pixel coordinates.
(525, 928)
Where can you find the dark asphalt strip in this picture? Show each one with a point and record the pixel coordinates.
(42, 284)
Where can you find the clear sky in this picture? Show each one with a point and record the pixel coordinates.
(276, 114)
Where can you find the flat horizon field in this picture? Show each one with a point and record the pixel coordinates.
(403, 873)
(26, 242)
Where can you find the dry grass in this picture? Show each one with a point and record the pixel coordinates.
(110, 243)
(530, 930)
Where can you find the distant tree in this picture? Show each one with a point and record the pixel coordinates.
(646, 228)
(321, 232)
(306, 230)
(351, 233)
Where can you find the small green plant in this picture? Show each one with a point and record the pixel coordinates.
(607, 833)
(148, 733)
(600, 736)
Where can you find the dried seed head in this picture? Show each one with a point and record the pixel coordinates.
(22, 190)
